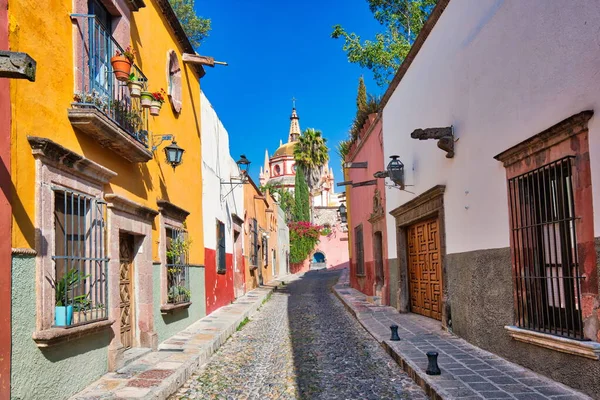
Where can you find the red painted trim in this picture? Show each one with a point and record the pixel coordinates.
(5, 218)
(219, 287)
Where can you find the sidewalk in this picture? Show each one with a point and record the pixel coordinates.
(159, 374)
(468, 372)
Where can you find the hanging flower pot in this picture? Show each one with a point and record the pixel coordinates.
(122, 62)
(155, 107)
(135, 86)
(146, 99)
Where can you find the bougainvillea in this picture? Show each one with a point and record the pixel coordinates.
(303, 238)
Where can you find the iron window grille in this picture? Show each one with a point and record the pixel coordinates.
(80, 262)
(96, 85)
(360, 251)
(178, 274)
(265, 251)
(546, 267)
(253, 243)
(221, 265)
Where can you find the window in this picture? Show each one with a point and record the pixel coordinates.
(221, 265)
(547, 278)
(253, 243)
(274, 257)
(277, 170)
(80, 263)
(265, 250)
(174, 81)
(360, 252)
(178, 282)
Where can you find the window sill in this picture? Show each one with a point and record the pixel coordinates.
(54, 336)
(172, 308)
(221, 271)
(361, 275)
(587, 349)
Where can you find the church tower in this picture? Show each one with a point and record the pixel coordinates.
(294, 134)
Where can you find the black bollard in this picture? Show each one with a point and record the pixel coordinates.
(432, 367)
(395, 337)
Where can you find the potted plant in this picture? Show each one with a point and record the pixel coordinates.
(135, 86)
(158, 98)
(63, 288)
(122, 62)
(146, 99)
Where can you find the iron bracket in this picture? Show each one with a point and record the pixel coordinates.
(445, 137)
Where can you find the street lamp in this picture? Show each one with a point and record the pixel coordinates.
(174, 154)
(243, 164)
(343, 213)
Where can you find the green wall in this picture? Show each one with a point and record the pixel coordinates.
(56, 372)
(167, 325)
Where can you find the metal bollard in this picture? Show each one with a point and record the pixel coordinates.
(395, 337)
(432, 367)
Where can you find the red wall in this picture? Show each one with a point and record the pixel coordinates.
(370, 149)
(5, 217)
(219, 287)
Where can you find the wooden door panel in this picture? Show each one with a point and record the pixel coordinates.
(126, 289)
(424, 267)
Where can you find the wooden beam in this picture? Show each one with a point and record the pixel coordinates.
(365, 183)
(344, 183)
(17, 65)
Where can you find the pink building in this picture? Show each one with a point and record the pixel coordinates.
(369, 269)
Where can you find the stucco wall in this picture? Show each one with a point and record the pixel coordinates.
(167, 325)
(480, 310)
(48, 373)
(283, 242)
(499, 72)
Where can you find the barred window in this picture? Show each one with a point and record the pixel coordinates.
(178, 282)
(80, 262)
(253, 243)
(265, 250)
(360, 251)
(221, 265)
(546, 267)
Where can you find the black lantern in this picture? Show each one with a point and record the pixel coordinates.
(343, 213)
(243, 163)
(395, 170)
(174, 154)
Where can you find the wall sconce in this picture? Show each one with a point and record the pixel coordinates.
(243, 165)
(173, 152)
(394, 171)
(343, 214)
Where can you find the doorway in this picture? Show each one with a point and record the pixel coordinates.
(238, 267)
(126, 289)
(378, 255)
(424, 268)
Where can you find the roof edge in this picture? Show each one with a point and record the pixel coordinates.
(414, 50)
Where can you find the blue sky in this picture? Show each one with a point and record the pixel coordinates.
(276, 50)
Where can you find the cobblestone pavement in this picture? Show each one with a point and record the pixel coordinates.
(302, 345)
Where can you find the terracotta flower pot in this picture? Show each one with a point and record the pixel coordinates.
(155, 107)
(121, 67)
(146, 99)
(135, 88)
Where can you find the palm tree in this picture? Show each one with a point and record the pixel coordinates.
(311, 154)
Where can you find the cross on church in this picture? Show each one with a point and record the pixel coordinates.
(293, 102)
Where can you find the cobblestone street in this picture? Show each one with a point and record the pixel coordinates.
(303, 344)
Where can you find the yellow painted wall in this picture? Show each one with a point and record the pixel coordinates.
(41, 110)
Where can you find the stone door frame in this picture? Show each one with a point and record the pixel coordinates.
(428, 205)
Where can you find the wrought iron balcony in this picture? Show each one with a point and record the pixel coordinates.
(102, 105)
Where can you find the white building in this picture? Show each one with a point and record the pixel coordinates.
(223, 212)
(498, 241)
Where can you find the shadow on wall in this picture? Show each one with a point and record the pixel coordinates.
(174, 317)
(78, 347)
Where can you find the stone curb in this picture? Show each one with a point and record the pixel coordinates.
(203, 352)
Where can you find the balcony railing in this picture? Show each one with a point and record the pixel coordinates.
(95, 84)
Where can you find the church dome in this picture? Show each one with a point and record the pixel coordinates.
(286, 149)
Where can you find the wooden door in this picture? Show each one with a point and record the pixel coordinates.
(378, 254)
(425, 269)
(126, 289)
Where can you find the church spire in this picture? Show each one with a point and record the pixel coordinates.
(294, 124)
(267, 172)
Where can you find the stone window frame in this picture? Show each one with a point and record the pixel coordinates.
(57, 166)
(174, 81)
(428, 205)
(567, 138)
(173, 217)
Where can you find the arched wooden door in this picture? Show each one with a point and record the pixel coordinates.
(425, 268)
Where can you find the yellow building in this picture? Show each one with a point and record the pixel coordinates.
(107, 236)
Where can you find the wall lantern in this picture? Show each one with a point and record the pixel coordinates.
(243, 165)
(173, 152)
(395, 170)
(343, 213)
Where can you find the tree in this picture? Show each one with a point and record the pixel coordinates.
(196, 28)
(311, 154)
(286, 198)
(301, 211)
(361, 97)
(402, 21)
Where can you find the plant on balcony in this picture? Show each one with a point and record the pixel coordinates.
(127, 116)
(158, 98)
(135, 86)
(122, 62)
(146, 99)
(92, 98)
